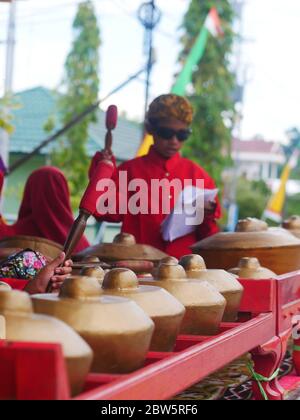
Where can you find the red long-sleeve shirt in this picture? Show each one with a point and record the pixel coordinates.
(147, 227)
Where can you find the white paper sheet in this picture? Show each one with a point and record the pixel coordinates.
(178, 222)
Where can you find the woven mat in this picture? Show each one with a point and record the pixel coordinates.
(231, 383)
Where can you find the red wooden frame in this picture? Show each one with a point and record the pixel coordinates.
(263, 328)
(32, 371)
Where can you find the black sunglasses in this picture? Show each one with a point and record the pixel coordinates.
(168, 133)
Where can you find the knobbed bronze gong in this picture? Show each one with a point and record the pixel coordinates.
(203, 303)
(117, 329)
(92, 260)
(7, 252)
(250, 268)
(124, 247)
(2, 328)
(23, 325)
(166, 260)
(165, 311)
(4, 286)
(138, 267)
(225, 283)
(93, 271)
(275, 248)
(46, 247)
(292, 225)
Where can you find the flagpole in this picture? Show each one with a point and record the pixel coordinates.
(149, 16)
(9, 66)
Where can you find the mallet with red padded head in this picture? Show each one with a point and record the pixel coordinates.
(88, 202)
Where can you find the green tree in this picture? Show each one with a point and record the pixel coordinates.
(292, 206)
(7, 105)
(213, 86)
(81, 86)
(252, 198)
(293, 143)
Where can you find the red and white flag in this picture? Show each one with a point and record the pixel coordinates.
(213, 23)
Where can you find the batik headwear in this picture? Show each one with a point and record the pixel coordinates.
(170, 106)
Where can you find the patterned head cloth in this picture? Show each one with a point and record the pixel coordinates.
(170, 106)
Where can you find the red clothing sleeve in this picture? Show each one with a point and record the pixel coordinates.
(103, 170)
(1, 181)
(113, 215)
(96, 159)
(209, 226)
(5, 230)
(15, 283)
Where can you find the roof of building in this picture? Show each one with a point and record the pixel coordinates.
(257, 145)
(38, 104)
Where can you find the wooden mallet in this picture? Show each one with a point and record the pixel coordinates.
(88, 202)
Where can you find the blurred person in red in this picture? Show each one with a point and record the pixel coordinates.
(45, 209)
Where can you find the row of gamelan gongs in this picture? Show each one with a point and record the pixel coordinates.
(107, 319)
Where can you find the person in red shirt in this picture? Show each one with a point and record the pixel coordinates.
(45, 210)
(168, 120)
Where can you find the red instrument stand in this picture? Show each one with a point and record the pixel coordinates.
(32, 371)
(268, 357)
(37, 371)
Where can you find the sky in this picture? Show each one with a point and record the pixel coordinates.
(270, 61)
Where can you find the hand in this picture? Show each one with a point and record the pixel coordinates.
(104, 156)
(61, 274)
(210, 208)
(53, 273)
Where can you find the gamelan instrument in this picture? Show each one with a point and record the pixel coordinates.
(275, 248)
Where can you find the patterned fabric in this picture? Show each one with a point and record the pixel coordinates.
(170, 106)
(22, 265)
(244, 391)
(215, 386)
(233, 383)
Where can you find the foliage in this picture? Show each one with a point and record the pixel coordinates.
(292, 206)
(50, 124)
(7, 105)
(81, 84)
(252, 198)
(294, 143)
(15, 192)
(213, 86)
